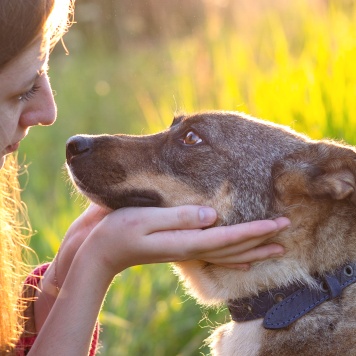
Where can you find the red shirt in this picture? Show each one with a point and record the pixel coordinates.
(28, 338)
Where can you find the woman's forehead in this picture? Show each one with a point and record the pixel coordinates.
(25, 66)
(37, 51)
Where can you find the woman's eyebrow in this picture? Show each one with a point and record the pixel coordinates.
(38, 74)
(32, 80)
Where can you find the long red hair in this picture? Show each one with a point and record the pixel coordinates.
(21, 22)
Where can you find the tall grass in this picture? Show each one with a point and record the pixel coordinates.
(289, 64)
(297, 69)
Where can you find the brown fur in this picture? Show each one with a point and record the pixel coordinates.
(247, 169)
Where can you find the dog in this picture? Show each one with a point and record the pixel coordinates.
(248, 169)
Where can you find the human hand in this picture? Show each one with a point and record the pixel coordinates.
(134, 236)
(112, 242)
(76, 234)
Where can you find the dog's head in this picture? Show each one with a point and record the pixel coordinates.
(246, 169)
(218, 159)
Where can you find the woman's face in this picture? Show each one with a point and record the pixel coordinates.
(26, 98)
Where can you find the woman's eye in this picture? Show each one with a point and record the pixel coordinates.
(29, 94)
(191, 138)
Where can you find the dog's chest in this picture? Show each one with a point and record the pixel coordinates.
(237, 339)
(328, 330)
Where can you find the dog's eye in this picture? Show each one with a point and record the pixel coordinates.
(191, 138)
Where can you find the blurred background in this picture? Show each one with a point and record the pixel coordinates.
(131, 65)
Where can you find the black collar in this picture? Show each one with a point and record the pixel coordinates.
(280, 307)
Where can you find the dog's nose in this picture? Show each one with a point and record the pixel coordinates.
(77, 145)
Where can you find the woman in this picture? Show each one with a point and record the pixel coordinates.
(99, 244)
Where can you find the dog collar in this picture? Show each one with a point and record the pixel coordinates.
(281, 307)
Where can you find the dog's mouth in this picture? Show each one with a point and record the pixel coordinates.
(139, 198)
(132, 198)
(114, 196)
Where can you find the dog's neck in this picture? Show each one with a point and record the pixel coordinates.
(281, 307)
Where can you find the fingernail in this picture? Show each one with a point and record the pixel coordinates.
(207, 215)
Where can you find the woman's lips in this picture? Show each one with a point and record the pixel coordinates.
(12, 148)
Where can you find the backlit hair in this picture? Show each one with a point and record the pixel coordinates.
(14, 234)
(21, 23)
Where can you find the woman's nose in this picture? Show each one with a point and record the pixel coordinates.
(41, 108)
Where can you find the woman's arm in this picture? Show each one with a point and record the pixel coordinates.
(130, 237)
(57, 271)
(69, 327)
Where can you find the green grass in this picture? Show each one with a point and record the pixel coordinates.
(295, 66)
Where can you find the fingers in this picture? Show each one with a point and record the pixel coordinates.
(242, 259)
(260, 227)
(175, 234)
(246, 235)
(96, 212)
(195, 217)
(237, 245)
(149, 220)
(230, 246)
(282, 223)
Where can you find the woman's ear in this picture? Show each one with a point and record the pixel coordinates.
(323, 170)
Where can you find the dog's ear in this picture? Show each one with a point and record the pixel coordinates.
(178, 118)
(323, 169)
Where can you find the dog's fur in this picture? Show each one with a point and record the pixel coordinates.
(247, 169)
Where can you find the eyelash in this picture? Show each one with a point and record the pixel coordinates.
(29, 94)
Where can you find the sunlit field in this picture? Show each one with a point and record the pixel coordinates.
(291, 62)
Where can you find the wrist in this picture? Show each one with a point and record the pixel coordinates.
(76, 307)
(45, 296)
(107, 250)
